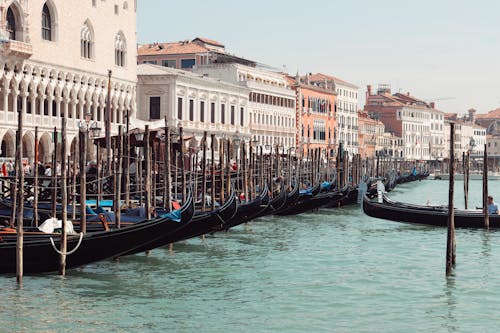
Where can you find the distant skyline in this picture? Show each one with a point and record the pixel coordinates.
(445, 51)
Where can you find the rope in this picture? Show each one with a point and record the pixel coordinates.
(71, 252)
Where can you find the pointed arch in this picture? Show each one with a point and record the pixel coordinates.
(120, 49)
(14, 22)
(87, 40)
(47, 22)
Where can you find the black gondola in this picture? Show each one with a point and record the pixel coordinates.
(249, 210)
(201, 223)
(308, 200)
(40, 255)
(426, 215)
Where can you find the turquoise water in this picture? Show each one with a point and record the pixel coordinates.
(334, 271)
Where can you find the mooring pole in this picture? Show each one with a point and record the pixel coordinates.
(147, 180)
(64, 200)
(54, 175)
(20, 195)
(212, 170)
(485, 188)
(168, 172)
(450, 244)
(465, 166)
(83, 180)
(204, 172)
(107, 126)
(35, 172)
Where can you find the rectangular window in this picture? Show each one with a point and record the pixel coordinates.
(191, 110)
(242, 116)
(152, 62)
(212, 113)
(154, 108)
(232, 114)
(202, 111)
(169, 63)
(179, 108)
(187, 63)
(223, 113)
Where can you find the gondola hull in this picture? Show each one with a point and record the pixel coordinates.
(426, 215)
(39, 256)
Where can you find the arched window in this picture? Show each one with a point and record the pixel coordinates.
(46, 23)
(11, 24)
(87, 42)
(120, 50)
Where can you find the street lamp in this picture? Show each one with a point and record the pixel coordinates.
(87, 126)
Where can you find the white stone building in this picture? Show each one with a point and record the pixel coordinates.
(271, 106)
(55, 56)
(346, 109)
(437, 139)
(193, 101)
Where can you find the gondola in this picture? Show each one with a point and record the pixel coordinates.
(40, 255)
(278, 202)
(337, 197)
(291, 199)
(201, 223)
(248, 211)
(308, 200)
(426, 215)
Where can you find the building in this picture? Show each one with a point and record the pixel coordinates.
(490, 120)
(469, 137)
(315, 117)
(193, 101)
(417, 122)
(370, 135)
(187, 54)
(271, 107)
(55, 56)
(391, 145)
(346, 109)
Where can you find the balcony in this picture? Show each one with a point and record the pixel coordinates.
(18, 49)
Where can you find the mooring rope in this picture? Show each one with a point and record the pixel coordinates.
(72, 251)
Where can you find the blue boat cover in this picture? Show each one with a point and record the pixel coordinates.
(326, 185)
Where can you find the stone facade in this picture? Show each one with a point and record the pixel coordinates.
(55, 58)
(271, 106)
(418, 123)
(193, 101)
(346, 109)
(315, 116)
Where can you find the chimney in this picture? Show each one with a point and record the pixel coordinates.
(472, 115)
(369, 90)
(433, 105)
(307, 78)
(407, 93)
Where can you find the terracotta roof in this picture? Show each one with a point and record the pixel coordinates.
(184, 47)
(320, 77)
(492, 114)
(209, 41)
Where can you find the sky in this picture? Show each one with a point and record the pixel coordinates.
(447, 51)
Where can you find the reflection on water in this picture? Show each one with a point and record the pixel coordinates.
(337, 270)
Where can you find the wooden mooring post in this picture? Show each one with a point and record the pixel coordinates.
(450, 243)
(64, 200)
(20, 204)
(465, 162)
(485, 188)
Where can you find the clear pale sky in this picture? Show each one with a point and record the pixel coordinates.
(433, 49)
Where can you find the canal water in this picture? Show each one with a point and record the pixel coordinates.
(333, 271)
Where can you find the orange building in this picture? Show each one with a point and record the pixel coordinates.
(315, 117)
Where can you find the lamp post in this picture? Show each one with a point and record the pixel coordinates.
(87, 129)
